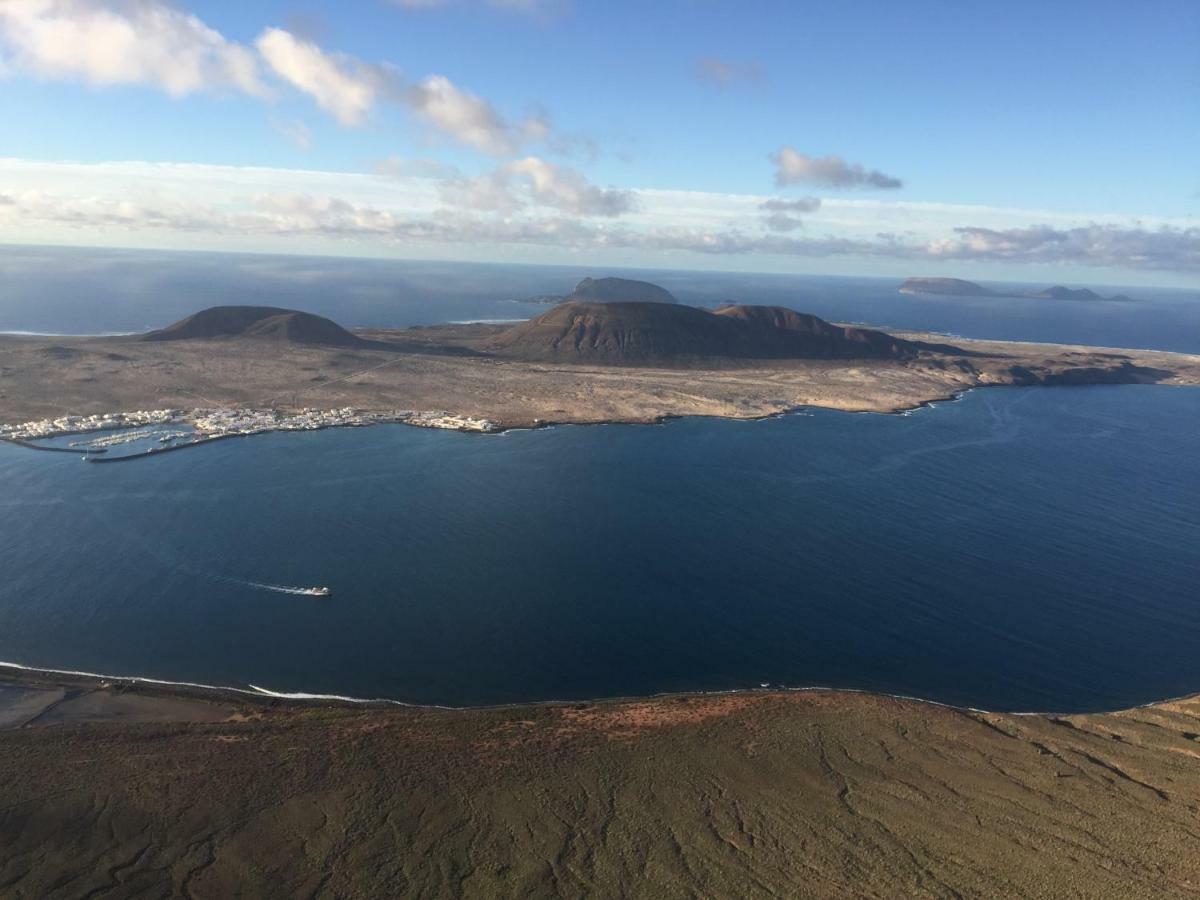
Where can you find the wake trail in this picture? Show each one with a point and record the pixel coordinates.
(277, 588)
(169, 557)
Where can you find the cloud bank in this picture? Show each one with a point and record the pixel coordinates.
(1175, 249)
(545, 205)
(533, 181)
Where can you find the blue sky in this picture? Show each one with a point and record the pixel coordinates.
(1030, 140)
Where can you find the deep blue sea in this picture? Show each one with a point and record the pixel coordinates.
(1028, 549)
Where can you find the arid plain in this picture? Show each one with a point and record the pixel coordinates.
(448, 368)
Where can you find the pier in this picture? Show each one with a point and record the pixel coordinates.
(31, 446)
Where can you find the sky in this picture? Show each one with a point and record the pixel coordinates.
(1025, 140)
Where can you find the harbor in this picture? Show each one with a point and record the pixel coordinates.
(174, 429)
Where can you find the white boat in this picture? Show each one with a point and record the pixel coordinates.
(319, 591)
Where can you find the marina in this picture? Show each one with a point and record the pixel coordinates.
(205, 425)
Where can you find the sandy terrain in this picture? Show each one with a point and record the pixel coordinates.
(814, 794)
(46, 377)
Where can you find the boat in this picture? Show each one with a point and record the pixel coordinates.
(318, 591)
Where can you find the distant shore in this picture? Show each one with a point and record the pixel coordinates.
(441, 368)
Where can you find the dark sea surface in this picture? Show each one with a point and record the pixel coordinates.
(74, 291)
(1028, 549)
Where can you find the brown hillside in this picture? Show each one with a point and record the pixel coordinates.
(663, 334)
(261, 322)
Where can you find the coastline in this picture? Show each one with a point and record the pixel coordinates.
(390, 379)
(33, 676)
(500, 428)
(155, 791)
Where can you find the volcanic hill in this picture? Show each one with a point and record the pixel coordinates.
(259, 322)
(664, 334)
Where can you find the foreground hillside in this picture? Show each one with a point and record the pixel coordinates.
(738, 795)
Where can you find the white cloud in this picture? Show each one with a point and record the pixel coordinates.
(112, 42)
(340, 85)
(349, 88)
(469, 119)
(145, 43)
(792, 167)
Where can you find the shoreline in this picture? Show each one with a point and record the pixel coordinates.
(500, 428)
(34, 676)
(242, 387)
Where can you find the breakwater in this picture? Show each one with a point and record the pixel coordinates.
(76, 450)
(156, 451)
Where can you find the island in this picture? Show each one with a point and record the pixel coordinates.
(954, 287)
(1058, 292)
(126, 788)
(233, 371)
(957, 287)
(609, 290)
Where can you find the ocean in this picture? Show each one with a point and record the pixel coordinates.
(1019, 549)
(91, 291)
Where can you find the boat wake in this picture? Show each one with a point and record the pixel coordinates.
(283, 588)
